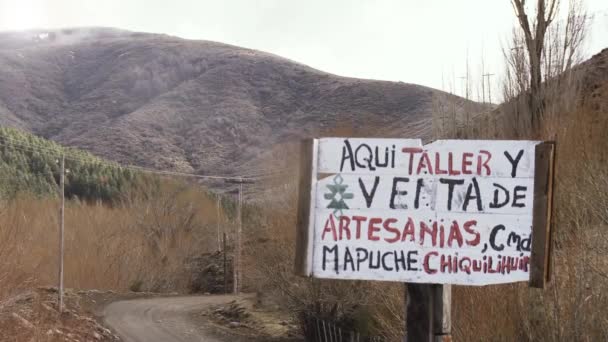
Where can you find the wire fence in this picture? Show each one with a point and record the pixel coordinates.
(319, 330)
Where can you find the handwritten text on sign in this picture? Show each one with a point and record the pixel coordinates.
(453, 211)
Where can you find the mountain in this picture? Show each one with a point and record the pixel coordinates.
(195, 106)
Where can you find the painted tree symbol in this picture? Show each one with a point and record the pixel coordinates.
(337, 195)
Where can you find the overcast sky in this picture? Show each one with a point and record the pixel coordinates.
(424, 41)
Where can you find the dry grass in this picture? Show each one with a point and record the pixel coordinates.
(143, 244)
(363, 306)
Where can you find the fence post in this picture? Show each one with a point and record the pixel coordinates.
(318, 329)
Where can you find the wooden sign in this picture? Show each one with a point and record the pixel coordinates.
(450, 212)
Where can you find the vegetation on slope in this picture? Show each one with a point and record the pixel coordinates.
(32, 164)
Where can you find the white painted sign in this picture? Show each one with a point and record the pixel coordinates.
(450, 212)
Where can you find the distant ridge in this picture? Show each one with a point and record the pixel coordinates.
(196, 106)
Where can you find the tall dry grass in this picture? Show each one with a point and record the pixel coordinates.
(143, 244)
(371, 308)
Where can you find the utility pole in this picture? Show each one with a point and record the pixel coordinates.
(238, 243)
(489, 87)
(465, 90)
(488, 75)
(466, 84)
(61, 228)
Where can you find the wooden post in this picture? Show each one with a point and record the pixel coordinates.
(541, 222)
(236, 263)
(61, 230)
(442, 313)
(419, 317)
(225, 266)
(428, 313)
(318, 329)
(306, 193)
(237, 254)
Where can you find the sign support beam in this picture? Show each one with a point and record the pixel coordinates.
(541, 224)
(428, 312)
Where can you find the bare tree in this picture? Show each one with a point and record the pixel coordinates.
(542, 48)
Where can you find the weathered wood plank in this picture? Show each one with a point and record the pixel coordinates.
(305, 218)
(409, 157)
(442, 312)
(541, 221)
(425, 193)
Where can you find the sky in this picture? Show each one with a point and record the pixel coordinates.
(426, 42)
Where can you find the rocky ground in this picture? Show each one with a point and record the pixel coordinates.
(32, 316)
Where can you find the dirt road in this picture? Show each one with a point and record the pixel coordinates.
(165, 319)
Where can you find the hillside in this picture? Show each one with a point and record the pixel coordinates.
(31, 164)
(195, 106)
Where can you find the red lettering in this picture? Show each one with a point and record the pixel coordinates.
(455, 234)
(466, 163)
(445, 264)
(424, 162)
(372, 228)
(330, 227)
(424, 229)
(451, 170)
(426, 264)
(438, 170)
(468, 227)
(409, 229)
(344, 222)
(411, 151)
(393, 230)
(476, 265)
(359, 219)
(484, 163)
(490, 269)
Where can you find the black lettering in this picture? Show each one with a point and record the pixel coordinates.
(399, 260)
(368, 160)
(525, 244)
(412, 259)
(348, 259)
(371, 261)
(361, 256)
(469, 196)
(396, 192)
(419, 185)
(347, 154)
(334, 250)
(384, 266)
(495, 204)
(369, 197)
(514, 162)
(378, 163)
(514, 239)
(493, 233)
(517, 196)
(451, 183)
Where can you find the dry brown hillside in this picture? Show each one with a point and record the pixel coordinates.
(171, 103)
